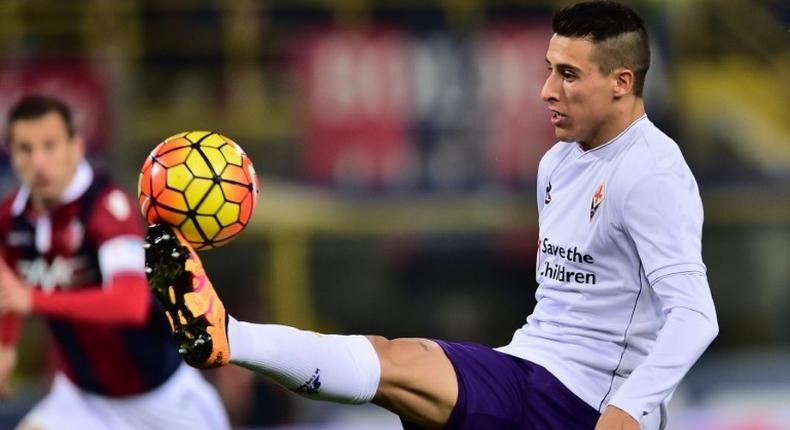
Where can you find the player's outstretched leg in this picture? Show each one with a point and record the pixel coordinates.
(196, 314)
(411, 377)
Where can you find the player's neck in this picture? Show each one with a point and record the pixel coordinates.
(621, 119)
(46, 203)
(42, 205)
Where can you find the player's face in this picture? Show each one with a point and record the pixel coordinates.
(580, 97)
(44, 156)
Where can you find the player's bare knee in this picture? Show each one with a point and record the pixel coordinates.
(402, 359)
(417, 380)
(380, 343)
(396, 354)
(382, 346)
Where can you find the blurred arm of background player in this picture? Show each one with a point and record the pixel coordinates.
(123, 300)
(9, 328)
(9, 332)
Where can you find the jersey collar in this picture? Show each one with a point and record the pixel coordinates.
(79, 184)
(612, 144)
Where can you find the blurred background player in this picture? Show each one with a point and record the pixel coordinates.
(72, 254)
(620, 272)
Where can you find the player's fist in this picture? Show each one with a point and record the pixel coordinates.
(7, 364)
(15, 296)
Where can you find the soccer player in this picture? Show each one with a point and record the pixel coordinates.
(623, 304)
(72, 253)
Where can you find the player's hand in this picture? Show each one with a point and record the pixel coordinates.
(15, 296)
(614, 418)
(7, 365)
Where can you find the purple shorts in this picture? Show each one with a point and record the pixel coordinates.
(499, 391)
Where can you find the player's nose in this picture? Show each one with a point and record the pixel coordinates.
(549, 92)
(40, 161)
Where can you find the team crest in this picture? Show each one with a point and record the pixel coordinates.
(547, 200)
(597, 199)
(118, 206)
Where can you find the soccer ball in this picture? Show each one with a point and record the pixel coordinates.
(202, 184)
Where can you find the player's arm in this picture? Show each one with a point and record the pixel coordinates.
(10, 322)
(689, 328)
(663, 215)
(8, 359)
(10, 329)
(122, 299)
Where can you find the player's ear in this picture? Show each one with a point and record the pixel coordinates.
(623, 79)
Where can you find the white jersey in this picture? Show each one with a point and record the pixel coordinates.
(623, 305)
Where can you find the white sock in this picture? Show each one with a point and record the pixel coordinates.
(326, 367)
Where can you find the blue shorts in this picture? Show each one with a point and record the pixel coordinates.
(499, 391)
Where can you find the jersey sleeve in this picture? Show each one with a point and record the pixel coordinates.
(114, 215)
(662, 213)
(10, 328)
(116, 230)
(123, 300)
(689, 328)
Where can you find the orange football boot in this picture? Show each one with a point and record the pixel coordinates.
(196, 314)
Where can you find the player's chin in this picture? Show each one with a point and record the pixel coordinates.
(45, 191)
(564, 135)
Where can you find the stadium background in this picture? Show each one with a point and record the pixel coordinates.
(397, 143)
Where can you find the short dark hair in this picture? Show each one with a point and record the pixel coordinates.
(35, 106)
(617, 31)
